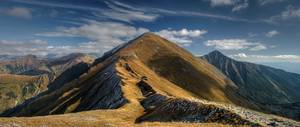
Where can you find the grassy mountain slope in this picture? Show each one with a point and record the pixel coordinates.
(24, 77)
(15, 89)
(135, 84)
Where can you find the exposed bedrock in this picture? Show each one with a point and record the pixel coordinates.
(160, 108)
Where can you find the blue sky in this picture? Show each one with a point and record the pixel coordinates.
(261, 31)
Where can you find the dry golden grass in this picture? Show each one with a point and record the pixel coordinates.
(14, 89)
(180, 67)
(96, 118)
(124, 116)
(11, 78)
(147, 56)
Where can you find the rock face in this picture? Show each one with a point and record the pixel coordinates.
(187, 111)
(272, 90)
(145, 79)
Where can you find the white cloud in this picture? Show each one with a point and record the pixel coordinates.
(42, 48)
(20, 12)
(183, 37)
(105, 33)
(118, 11)
(252, 34)
(237, 4)
(150, 13)
(287, 56)
(272, 33)
(264, 2)
(240, 6)
(258, 47)
(235, 44)
(57, 5)
(241, 55)
(266, 58)
(21, 48)
(5, 43)
(127, 13)
(291, 12)
(102, 37)
(221, 2)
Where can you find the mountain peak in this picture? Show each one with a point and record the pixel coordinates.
(30, 56)
(148, 33)
(216, 51)
(217, 54)
(149, 36)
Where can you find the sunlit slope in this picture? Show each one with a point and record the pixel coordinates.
(15, 89)
(180, 67)
(99, 86)
(136, 84)
(24, 77)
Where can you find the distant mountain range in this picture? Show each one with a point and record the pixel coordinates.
(269, 88)
(23, 77)
(150, 79)
(33, 65)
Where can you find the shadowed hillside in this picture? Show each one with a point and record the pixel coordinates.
(272, 90)
(24, 77)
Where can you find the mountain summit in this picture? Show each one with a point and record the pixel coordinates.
(272, 90)
(147, 56)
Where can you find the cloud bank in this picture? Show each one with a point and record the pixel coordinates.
(272, 33)
(182, 37)
(267, 58)
(19, 12)
(235, 44)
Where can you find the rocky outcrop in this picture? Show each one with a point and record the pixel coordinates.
(161, 108)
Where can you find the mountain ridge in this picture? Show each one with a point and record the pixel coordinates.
(142, 81)
(262, 84)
